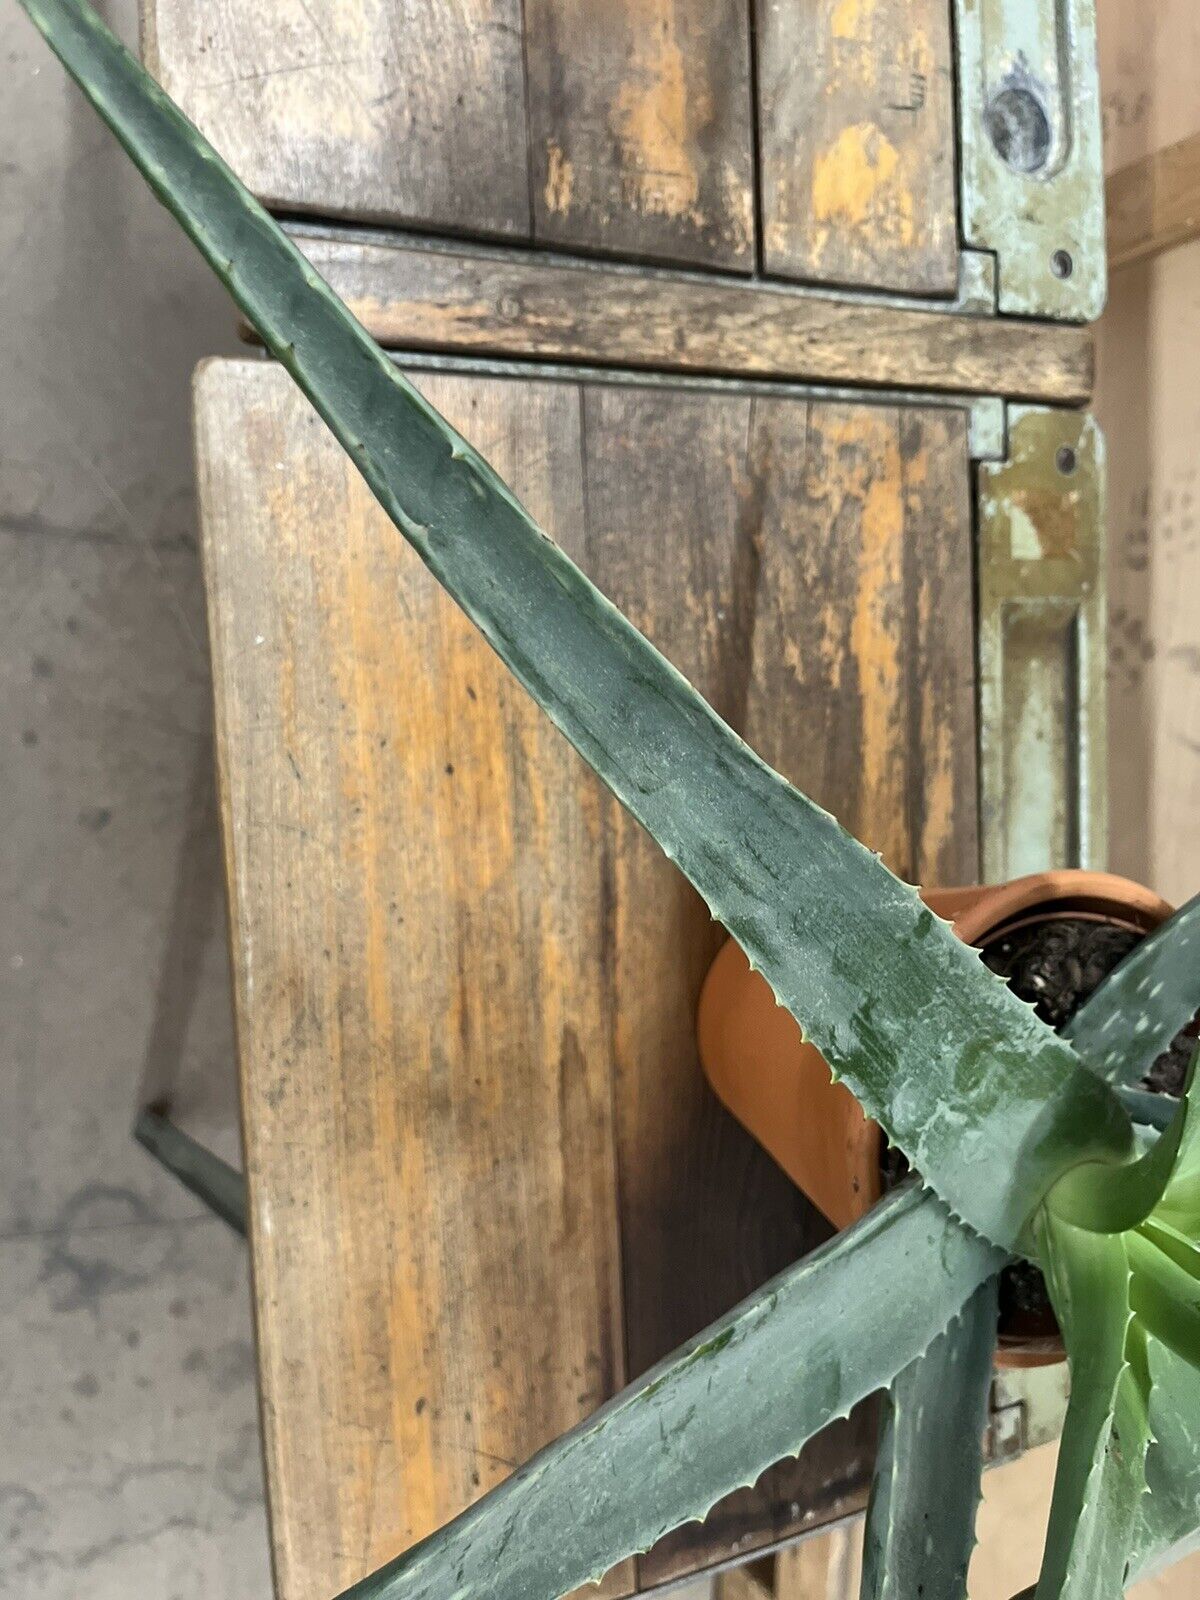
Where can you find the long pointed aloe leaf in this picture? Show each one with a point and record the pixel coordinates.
(1101, 1462)
(1168, 1524)
(980, 1096)
(1133, 1016)
(712, 1417)
(1119, 1298)
(921, 1517)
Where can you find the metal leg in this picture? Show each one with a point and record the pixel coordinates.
(221, 1187)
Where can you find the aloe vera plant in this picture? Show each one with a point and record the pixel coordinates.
(1022, 1139)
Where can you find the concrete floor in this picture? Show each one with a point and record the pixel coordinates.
(128, 1445)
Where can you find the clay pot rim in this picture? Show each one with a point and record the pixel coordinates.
(983, 912)
(1040, 897)
(1066, 892)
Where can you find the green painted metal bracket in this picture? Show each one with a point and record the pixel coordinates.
(1031, 167)
(221, 1187)
(1042, 720)
(1041, 646)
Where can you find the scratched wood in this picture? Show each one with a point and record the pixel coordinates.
(521, 304)
(466, 982)
(380, 111)
(857, 143)
(415, 876)
(639, 128)
(815, 552)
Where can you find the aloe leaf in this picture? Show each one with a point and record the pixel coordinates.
(1179, 1207)
(1101, 1464)
(1165, 1293)
(1148, 1110)
(1168, 1524)
(1129, 1307)
(920, 1528)
(800, 1352)
(1106, 1199)
(1133, 1016)
(977, 1093)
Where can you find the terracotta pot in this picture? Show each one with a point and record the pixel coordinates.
(779, 1088)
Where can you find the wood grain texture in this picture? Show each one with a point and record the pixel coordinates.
(416, 297)
(382, 111)
(414, 873)
(857, 143)
(1154, 204)
(820, 548)
(466, 982)
(639, 128)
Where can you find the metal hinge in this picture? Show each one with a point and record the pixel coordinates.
(1031, 162)
(1041, 646)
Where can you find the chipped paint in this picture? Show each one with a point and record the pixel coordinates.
(847, 19)
(1041, 646)
(857, 184)
(1046, 227)
(560, 179)
(654, 115)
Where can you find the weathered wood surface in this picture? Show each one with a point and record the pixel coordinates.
(856, 119)
(623, 128)
(382, 112)
(1154, 204)
(620, 129)
(466, 982)
(639, 128)
(415, 296)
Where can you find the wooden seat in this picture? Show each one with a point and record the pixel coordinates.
(487, 1180)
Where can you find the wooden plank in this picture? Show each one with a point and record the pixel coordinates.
(813, 555)
(639, 125)
(466, 982)
(417, 297)
(414, 870)
(1154, 204)
(377, 111)
(857, 143)
(826, 1567)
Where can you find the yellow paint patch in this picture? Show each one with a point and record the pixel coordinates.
(849, 19)
(868, 450)
(854, 182)
(560, 180)
(653, 120)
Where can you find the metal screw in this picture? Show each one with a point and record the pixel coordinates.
(1061, 264)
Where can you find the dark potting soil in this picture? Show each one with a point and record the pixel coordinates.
(1055, 966)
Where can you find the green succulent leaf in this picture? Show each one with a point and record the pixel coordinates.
(1101, 1464)
(1133, 1016)
(1106, 1199)
(749, 1391)
(1128, 1303)
(1179, 1207)
(1147, 1109)
(920, 1528)
(1168, 1523)
(979, 1095)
